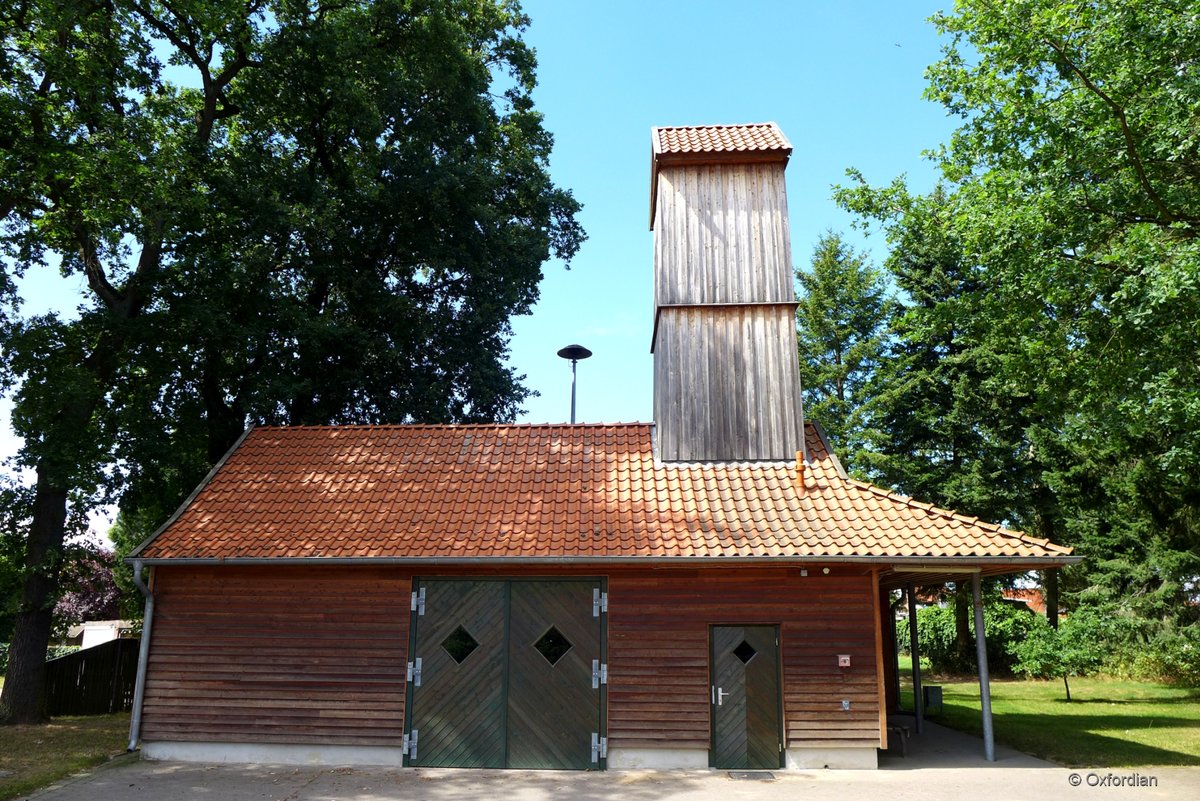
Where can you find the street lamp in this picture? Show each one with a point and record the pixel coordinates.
(575, 353)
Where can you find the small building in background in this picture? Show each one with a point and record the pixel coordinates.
(94, 632)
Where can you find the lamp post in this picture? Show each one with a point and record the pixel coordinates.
(575, 353)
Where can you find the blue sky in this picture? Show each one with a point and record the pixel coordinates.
(842, 79)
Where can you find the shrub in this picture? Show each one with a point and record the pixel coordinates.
(51, 653)
(55, 651)
(1071, 650)
(1005, 625)
(1173, 656)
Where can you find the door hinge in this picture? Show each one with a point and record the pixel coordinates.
(418, 601)
(599, 602)
(409, 745)
(599, 747)
(414, 672)
(599, 673)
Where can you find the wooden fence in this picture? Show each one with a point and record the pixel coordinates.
(94, 681)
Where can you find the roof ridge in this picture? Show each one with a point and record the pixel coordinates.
(718, 125)
(449, 426)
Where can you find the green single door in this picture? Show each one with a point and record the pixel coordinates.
(745, 698)
(553, 707)
(457, 700)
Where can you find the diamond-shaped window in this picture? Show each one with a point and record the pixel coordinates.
(745, 652)
(460, 644)
(553, 645)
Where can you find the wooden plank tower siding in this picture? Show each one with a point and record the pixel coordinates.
(726, 375)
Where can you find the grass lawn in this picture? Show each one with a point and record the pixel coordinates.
(39, 755)
(1107, 723)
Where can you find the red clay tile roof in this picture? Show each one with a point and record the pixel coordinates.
(707, 140)
(582, 492)
(712, 144)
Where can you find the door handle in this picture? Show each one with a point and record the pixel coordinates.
(718, 695)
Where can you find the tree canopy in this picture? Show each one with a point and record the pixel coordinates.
(284, 212)
(1061, 343)
(841, 318)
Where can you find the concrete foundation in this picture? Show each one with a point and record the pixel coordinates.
(833, 758)
(264, 753)
(657, 758)
(618, 758)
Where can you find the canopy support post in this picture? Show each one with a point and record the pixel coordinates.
(985, 688)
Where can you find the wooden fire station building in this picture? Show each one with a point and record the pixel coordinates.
(707, 590)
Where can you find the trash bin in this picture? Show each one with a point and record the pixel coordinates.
(932, 695)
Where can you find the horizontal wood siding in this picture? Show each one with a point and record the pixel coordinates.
(278, 655)
(727, 384)
(658, 687)
(722, 235)
(318, 654)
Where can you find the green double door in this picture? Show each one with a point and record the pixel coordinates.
(506, 674)
(745, 700)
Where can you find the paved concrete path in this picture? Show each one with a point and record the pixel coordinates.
(132, 780)
(942, 764)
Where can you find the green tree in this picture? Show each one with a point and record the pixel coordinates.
(331, 218)
(1075, 182)
(841, 321)
(939, 430)
(1077, 648)
(1079, 178)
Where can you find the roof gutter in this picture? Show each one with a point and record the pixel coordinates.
(139, 688)
(908, 563)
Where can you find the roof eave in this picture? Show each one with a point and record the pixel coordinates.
(1035, 562)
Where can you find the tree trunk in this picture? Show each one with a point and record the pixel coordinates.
(964, 644)
(1050, 584)
(21, 700)
(1068, 686)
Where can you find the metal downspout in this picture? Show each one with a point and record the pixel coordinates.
(985, 686)
(139, 689)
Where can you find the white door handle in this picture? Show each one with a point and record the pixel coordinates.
(718, 695)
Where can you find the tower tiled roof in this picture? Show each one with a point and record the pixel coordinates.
(720, 139)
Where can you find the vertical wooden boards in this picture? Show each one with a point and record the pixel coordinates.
(726, 373)
(722, 235)
(277, 655)
(745, 698)
(722, 384)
